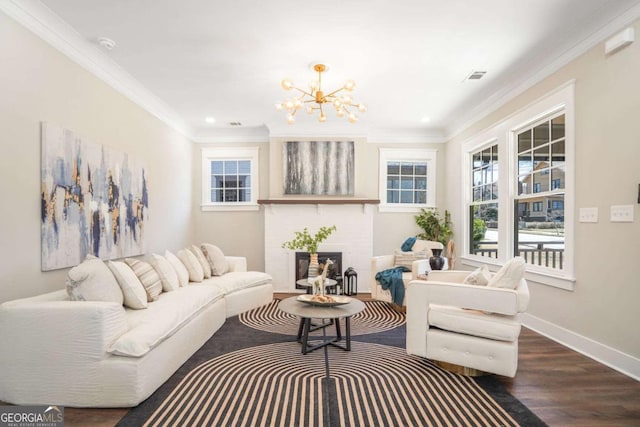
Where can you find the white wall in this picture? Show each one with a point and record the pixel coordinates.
(38, 83)
(601, 315)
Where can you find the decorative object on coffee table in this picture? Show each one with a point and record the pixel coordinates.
(305, 241)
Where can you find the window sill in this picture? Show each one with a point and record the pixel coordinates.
(229, 207)
(543, 277)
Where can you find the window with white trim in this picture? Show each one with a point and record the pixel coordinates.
(230, 178)
(407, 179)
(483, 209)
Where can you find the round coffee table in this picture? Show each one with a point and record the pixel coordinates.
(328, 283)
(306, 312)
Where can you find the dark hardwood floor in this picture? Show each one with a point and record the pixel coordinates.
(561, 386)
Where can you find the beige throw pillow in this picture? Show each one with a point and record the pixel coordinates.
(168, 275)
(217, 260)
(206, 267)
(405, 259)
(510, 275)
(134, 294)
(92, 280)
(479, 277)
(148, 276)
(178, 266)
(196, 274)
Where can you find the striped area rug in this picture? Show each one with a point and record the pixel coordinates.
(373, 385)
(377, 317)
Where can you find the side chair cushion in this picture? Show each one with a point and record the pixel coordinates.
(479, 277)
(473, 322)
(510, 275)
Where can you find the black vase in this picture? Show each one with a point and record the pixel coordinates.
(436, 261)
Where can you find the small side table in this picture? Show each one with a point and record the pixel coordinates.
(328, 283)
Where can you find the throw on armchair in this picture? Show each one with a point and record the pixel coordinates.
(416, 261)
(471, 325)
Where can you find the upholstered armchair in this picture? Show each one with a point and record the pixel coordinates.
(470, 325)
(417, 260)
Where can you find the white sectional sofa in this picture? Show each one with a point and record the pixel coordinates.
(102, 354)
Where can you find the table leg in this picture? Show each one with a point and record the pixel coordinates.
(347, 326)
(300, 329)
(305, 334)
(338, 331)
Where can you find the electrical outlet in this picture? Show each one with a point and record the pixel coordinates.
(588, 215)
(622, 213)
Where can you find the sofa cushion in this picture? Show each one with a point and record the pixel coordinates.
(148, 328)
(235, 281)
(178, 266)
(472, 322)
(206, 267)
(92, 280)
(148, 276)
(479, 277)
(196, 274)
(168, 276)
(215, 256)
(134, 294)
(510, 275)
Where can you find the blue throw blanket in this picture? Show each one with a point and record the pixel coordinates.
(391, 280)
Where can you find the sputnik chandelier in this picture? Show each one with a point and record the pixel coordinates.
(315, 99)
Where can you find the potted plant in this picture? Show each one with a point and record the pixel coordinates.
(303, 240)
(434, 227)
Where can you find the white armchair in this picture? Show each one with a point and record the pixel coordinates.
(419, 266)
(467, 325)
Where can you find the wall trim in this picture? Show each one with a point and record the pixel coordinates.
(601, 353)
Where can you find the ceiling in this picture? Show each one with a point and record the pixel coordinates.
(193, 59)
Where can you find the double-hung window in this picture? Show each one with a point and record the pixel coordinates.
(230, 178)
(407, 179)
(483, 208)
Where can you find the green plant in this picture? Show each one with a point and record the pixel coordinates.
(304, 240)
(479, 230)
(434, 228)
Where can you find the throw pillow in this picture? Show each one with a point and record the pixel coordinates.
(168, 276)
(206, 267)
(178, 266)
(196, 274)
(148, 276)
(405, 259)
(479, 276)
(425, 245)
(408, 244)
(92, 280)
(510, 275)
(219, 263)
(134, 294)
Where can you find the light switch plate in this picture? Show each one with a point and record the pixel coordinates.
(588, 215)
(622, 213)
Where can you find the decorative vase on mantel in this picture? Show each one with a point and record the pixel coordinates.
(314, 266)
(436, 261)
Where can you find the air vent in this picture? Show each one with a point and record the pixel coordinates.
(476, 75)
(235, 124)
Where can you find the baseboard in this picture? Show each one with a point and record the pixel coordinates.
(615, 359)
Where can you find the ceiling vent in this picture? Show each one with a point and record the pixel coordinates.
(476, 75)
(235, 124)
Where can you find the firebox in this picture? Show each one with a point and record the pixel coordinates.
(333, 272)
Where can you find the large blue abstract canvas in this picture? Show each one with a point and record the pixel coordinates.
(94, 200)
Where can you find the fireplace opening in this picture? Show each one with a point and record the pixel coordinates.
(333, 272)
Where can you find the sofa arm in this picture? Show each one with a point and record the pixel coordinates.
(237, 263)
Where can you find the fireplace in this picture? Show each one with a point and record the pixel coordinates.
(333, 272)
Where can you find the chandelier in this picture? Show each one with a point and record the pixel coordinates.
(315, 99)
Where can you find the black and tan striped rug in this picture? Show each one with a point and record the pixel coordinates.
(245, 376)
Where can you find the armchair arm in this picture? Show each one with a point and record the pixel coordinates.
(382, 262)
(452, 276)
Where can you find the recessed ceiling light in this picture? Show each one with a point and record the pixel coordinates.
(210, 119)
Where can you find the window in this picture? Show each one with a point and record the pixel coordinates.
(407, 179)
(483, 209)
(229, 178)
(528, 209)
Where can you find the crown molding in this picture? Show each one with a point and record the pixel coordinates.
(510, 92)
(40, 20)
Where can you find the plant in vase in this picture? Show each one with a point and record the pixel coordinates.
(303, 240)
(436, 229)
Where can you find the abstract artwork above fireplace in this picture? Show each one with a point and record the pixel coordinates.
(319, 167)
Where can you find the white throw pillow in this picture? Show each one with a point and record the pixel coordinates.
(479, 276)
(168, 275)
(206, 267)
(148, 276)
(510, 275)
(178, 266)
(216, 258)
(134, 294)
(405, 259)
(93, 281)
(196, 274)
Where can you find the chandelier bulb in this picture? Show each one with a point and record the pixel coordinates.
(362, 108)
(309, 110)
(297, 104)
(278, 106)
(349, 85)
(290, 119)
(352, 118)
(288, 104)
(340, 112)
(337, 103)
(322, 118)
(287, 84)
(346, 99)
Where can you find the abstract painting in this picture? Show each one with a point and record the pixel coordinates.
(94, 200)
(319, 167)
